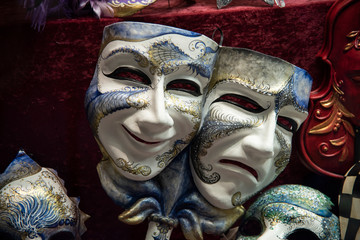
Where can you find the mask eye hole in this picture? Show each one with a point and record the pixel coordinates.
(241, 101)
(251, 227)
(184, 86)
(301, 234)
(287, 123)
(130, 74)
(63, 236)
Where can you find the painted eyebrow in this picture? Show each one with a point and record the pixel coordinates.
(239, 83)
(124, 50)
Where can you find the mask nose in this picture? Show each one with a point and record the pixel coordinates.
(262, 138)
(155, 118)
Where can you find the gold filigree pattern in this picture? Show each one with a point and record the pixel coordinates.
(262, 88)
(141, 60)
(34, 203)
(132, 168)
(354, 37)
(186, 107)
(123, 9)
(283, 158)
(333, 122)
(137, 101)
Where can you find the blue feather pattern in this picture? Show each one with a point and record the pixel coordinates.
(34, 213)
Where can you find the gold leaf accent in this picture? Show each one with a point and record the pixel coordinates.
(337, 89)
(327, 103)
(352, 34)
(344, 111)
(339, 141)
(344, 154)
(326, 126)
(348, 127)
(348, 46)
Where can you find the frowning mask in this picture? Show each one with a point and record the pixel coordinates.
(34, 204)
(254, 105)
(144, 101)
(290, 210)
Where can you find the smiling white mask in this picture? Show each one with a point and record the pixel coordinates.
(144, 101)
(254, 104)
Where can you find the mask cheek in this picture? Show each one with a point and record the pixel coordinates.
(185, 112)
(138, 100)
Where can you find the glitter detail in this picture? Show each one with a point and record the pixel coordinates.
(216, 126)
(132, 168)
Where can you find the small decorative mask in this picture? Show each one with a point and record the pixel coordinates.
(254, 105)
(115, 8)
(290, 209)
(224, 3)
(34, 204)
(144, 101)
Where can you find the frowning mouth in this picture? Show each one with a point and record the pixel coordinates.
(137, 138)
(240, 165)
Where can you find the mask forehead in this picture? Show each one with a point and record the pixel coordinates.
(138, 31)
(156, 50)
(252, 69)
(263, 74)
(163, 55)
(297, 92)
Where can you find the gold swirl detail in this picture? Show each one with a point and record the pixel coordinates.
(354, 37)
(132, 168)
(333, 122)
(191, 108)
(136, 101)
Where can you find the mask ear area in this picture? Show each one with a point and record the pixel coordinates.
(301, 234)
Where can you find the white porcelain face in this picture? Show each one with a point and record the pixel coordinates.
(150, 94)
(245, 139)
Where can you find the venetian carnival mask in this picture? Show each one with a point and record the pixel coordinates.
(254, 105)
(289, 210)
(144, 101)
(34, 204)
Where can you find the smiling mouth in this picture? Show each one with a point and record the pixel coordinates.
(240, 165)
(137, 138)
